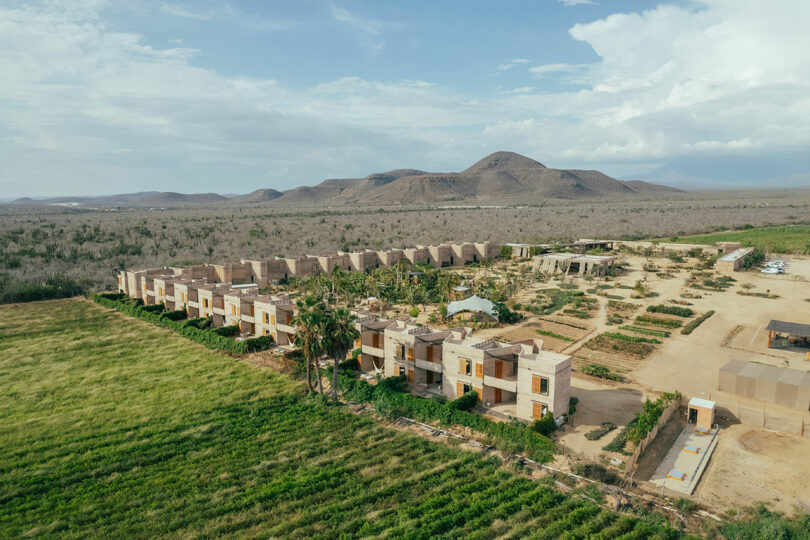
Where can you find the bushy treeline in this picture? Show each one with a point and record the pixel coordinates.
(391, 398)
(197, 330)
(53, 286)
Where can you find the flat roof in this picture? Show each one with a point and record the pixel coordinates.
(736, 254)
(703, 403)
(795, 329)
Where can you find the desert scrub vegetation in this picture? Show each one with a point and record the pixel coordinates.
(49, 287)
(645, 331)
(609, 343)
(116, 428)
(784, 239)
(84, 243)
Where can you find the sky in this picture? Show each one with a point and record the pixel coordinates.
(103, 97)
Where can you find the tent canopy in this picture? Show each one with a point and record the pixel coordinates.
(473, 303)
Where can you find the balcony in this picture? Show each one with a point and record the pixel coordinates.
(284, 328)
(508, 383)
(435, 367)
(372, 351)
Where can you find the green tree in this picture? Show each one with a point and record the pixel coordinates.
(339, 334)
(308, 337)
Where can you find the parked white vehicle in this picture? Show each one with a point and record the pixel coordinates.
(772, 270)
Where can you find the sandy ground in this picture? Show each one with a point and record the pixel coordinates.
(751, 465)
(599, 402)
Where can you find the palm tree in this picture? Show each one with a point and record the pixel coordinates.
(338, 338)
(308, 337)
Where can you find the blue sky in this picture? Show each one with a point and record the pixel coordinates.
(106, 97)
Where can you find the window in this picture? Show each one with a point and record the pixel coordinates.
(266, 318)
(357, 343)
(539, 385)
(410, 354)
(464, 366)
(479, 370)
(429, 353)
(462, 389)
(375, 341)
(205, 302)
(233, 310)
(273, 319)
(399, 351)
(539, 410)
(265, 332)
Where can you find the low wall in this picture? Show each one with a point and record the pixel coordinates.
(671, 409)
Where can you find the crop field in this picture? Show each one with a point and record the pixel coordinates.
(115, 428)
(787, 239)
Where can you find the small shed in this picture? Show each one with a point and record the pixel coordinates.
(701, 413)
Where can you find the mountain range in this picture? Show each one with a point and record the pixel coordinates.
(500, 178)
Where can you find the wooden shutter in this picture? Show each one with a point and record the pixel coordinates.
(410, 354)
(357, 343)
(499, 368)
(479, 392)
(537, 410)
(410, 375)
(461, 365)
(273, 319)
(375, 340)
(459, 389)
(536, 384)
(479, 370)
(429, 353)
(498, 395)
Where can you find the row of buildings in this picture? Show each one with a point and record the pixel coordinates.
(519, 379)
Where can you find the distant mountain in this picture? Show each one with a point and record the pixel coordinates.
(143, 198)
(502, 177)
(260, 195)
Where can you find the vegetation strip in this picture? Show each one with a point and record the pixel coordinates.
(646, 331)
(194, 329)
(671, 310)
(686, 330)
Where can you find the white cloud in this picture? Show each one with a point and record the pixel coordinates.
(85, 108)
(579, 2)
(513, 63)
(369, 26)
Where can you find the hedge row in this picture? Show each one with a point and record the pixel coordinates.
(658, 321)
(671, 310)
(391, 399)
(646, 331)
(190, 329)
(686, 330)
(630, 339)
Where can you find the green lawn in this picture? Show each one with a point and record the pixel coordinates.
(787, 239)
(115, 428)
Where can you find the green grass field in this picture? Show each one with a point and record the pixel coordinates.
(115, 428)
(787, 239)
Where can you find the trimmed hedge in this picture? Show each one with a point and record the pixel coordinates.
(686, 330)
(465, 402)
(391, 398)
(671, 310)
(191, 329)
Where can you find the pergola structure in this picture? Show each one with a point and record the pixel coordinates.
(784, 334)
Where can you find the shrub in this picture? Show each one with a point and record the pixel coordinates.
(620, 440)
(630, 339)
(597, 472)
(572, 404)
(648, 417)
(685, 505)
(391, 399)
(598, 370)
(598, 433)
(414, 312)
(686, 330)
(544, 426)
(53, 286)
(227, 330)
(671, 310)
(646, 331)
(465, 402)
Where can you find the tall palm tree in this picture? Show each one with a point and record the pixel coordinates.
(308, 337)
(338, 338)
